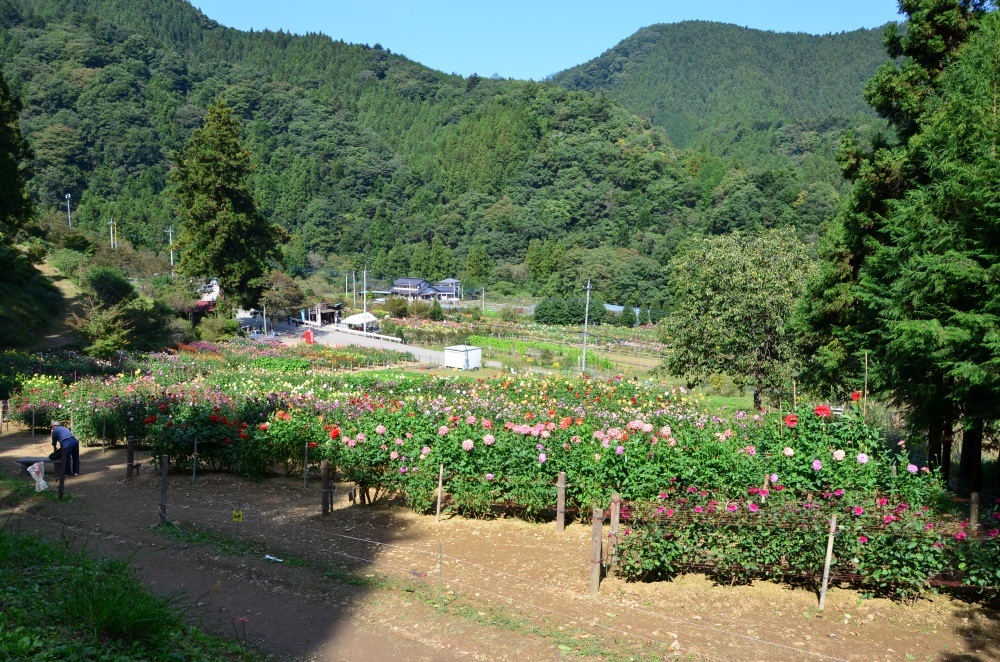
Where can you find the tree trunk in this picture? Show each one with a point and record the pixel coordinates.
(756, 398)
(935, 432)
(971, 465)
(947, 434)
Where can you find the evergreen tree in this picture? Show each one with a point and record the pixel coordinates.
(881, 291)
(627, 318)
(15, 205)
(478, 266)
(223, 234)
(436, 314)
(420, 257)
(441, 263)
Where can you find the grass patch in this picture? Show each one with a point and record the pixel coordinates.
(16, 490)
(63, 604)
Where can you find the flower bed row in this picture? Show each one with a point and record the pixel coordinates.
(504, 441)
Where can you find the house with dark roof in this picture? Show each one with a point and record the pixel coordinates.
(451, 287)
(418, 288)
(408, 287)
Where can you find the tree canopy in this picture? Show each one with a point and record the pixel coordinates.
(223, 234)
(734, 296)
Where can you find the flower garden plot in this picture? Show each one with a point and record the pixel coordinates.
(504, 441)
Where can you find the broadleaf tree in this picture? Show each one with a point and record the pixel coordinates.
(734, 295)
(223, 234)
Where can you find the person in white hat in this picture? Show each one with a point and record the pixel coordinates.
(63, 436)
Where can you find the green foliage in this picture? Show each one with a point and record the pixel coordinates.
(733, 298)
(778, 98)
(436, 314)
(905, 276)
(627, 318)
(113, 612)
(15, 205)
(110, 286)
(28, 300)
(562, 310)
(223, 235)
(215, 329)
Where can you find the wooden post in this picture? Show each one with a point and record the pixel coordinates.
(561, 502)
(596, 536)
(616, 505)
(324, 473)
(305, 467)
(32, 421)
(974, 511)
(164, 464)
(64, 457)
(795, 398)
(763, 497)
(129, 456)
(194, 463)
(437, 518)
(104, 435)
(826, 564)
(864, 401)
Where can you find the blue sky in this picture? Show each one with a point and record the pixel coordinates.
(522, 38)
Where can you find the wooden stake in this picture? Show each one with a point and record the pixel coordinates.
(305, 467)
(616, 504)
(129, 456)
(164, 464)
(795, 398)
(763, 497)
(561, 502)
(596, 535)
(64, 458)
(194, 463)
(864, 401)
(974, 511)
(437, 518)
(324, 473)
(826, 565)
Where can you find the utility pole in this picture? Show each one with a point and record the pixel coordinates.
(484, 300)
(364, 297)
(354, 282)
(346, 278)
(113, 228)
(170, 233)
(586, 320)
(69, 215)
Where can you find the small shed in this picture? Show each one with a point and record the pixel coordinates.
(465, 357)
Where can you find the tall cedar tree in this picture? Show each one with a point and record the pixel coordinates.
(881, 289)
(223, 234)
(15, 205)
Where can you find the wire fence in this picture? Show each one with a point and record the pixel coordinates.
(313, 538)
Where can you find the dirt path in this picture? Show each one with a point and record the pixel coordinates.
(62, 333)
(382, 583)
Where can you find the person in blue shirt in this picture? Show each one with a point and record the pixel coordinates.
(64, 437)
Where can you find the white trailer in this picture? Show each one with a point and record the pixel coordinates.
(464, 357)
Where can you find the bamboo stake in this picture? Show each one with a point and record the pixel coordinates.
(561, 502)
(826, 565)
(437, 518)
(864, 402)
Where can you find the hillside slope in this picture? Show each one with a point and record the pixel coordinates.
(750, 94)
(359, 151)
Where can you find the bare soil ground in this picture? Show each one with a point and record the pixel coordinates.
(383, 583)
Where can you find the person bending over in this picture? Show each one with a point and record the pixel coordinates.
(64, 437)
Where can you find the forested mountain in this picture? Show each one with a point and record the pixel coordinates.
(368, 157)
(758, 96)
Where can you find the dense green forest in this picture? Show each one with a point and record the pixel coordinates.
(748, 95)
(365, 157)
